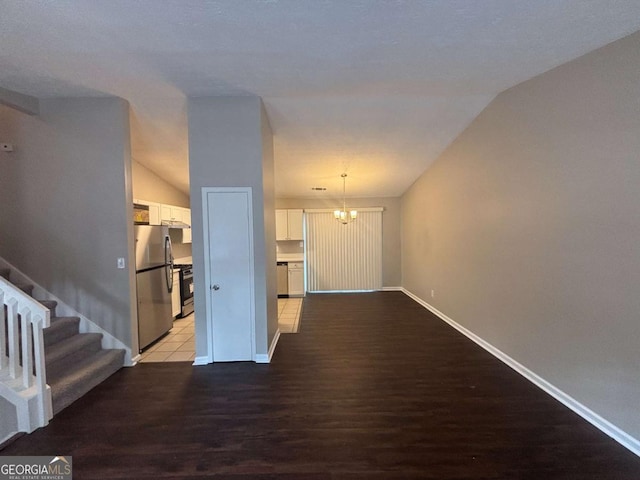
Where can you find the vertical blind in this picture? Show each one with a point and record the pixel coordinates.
(344, 257)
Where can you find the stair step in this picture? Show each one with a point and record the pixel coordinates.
(75, 362)
(82, 377)
(51, 305)
(70, 351)
(61, 328)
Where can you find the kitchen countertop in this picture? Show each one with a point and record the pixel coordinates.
(290, 257)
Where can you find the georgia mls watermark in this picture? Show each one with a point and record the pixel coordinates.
(36, 468)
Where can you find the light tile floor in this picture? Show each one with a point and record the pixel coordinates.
(289, 310)
(179, 344)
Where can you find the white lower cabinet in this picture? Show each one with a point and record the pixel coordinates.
(176, 306)
(296, 279)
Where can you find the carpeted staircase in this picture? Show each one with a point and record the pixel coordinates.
(75, 362)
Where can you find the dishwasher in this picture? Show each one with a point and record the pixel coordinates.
(283, 279)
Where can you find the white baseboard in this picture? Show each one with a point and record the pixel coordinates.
(259, 357)
(202, 360)
(266, 358)
(392, 289)
(342, 291)
(619, 435)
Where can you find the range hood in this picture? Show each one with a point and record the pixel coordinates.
(175, 224)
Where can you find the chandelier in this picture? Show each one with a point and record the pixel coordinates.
(345, 216)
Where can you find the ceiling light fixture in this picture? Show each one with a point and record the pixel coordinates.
(345, 216)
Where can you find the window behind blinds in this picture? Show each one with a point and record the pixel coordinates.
(344, 257)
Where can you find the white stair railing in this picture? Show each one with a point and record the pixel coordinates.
(23, 378)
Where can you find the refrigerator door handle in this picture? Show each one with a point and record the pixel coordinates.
(168, 261)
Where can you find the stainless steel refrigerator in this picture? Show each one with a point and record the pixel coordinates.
(154, 282)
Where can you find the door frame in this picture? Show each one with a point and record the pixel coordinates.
(207, 271)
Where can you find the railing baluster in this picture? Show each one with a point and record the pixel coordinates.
(22, 320)
(4, 361)
(44, 406)
(14, 356)
(27, 349)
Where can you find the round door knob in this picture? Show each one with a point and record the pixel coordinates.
(216, 287)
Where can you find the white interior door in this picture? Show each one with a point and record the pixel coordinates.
(229, 248)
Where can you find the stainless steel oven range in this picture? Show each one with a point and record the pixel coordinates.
(186, 289)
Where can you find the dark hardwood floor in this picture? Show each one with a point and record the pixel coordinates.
(374, 387)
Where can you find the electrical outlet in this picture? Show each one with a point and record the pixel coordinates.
(433, 293)
(120, 262)
(6, 147)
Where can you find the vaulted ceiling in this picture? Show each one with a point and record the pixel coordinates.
(376, 88)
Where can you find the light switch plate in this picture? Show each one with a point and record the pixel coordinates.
(120, 262)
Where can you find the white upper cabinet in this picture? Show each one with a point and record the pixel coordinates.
(154, 214)
(154, 211)
(289, 224)
(159, 213)
(186, 218)
(282, 225)
(165, 213)
(171, 213)
(295, 224)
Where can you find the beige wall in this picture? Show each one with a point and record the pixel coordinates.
(391, 261)
(268, 189)
(527, 229)
(147, 185)
(66, 204)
